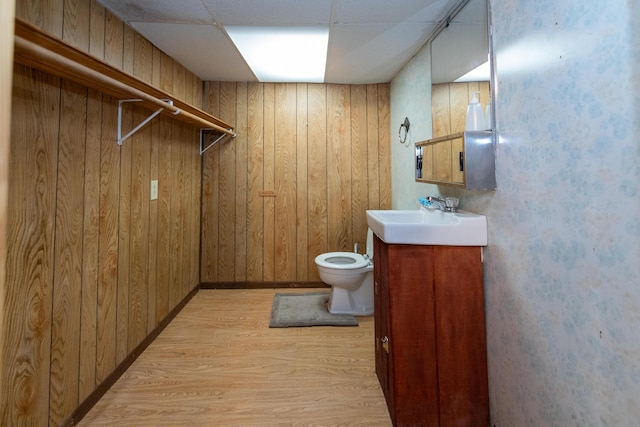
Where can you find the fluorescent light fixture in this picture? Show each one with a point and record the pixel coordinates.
(283, 54)
(479, 74)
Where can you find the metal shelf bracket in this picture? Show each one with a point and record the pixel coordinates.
(204, 149)
(121, 138)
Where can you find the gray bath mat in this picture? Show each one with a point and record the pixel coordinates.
(294, 310)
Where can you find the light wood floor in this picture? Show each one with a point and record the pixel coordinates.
(219, 364)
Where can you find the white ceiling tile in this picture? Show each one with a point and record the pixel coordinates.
(207, 50)
(380, 11)
(272, 12)
(163, 11)
(372, 53)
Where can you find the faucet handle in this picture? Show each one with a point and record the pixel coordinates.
(451, 203)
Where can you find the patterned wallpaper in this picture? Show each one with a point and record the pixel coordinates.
(562, 269)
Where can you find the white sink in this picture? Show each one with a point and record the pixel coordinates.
(428, 227)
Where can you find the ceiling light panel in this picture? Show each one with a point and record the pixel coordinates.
(283, 54)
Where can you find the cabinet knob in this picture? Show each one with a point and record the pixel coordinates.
(385, 344)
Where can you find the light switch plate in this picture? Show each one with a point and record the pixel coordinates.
(154, 189)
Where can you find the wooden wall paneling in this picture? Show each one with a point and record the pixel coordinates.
(76, 20)
(440, 110)
(210, 195)
(166, 73)
(7, 15)
(289, 160)
(178, 197)
(269, 183)
(97, 30)
(67, 280)
(106, 332)
(186, 210)
(359, 184)
(196, 190)
(187, 220)
(124, 240)
(285, 182)
(339, 167)
(90, 246)
(195, 181)
(194, 261)
(459, 101)
(164, 246)
(317, 176)
(30, 248)
(188, 237)
(45, 14)
(113, 40)
(384, 149)
(302, 161)
(255, 181)
(124, 246)
(227, 207)
(373, 158)
(91, 225)
(190, 169)
(240, 143)
(110, 180)
(140, 204)
(91, 232)
(177, 214)
(153, 283)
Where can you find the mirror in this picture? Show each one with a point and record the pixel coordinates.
(460, 66)
(462, 45)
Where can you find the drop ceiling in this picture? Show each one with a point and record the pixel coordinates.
(369, 40)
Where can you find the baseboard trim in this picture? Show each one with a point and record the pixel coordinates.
(105, 385)
(261, 285)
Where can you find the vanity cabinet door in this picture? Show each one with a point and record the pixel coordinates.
(381, 315)
(404, 318)
(460, 328)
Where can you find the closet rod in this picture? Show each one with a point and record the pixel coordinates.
(55, 63)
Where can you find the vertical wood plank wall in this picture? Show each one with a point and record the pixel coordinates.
(308, 161)
(92, 265)
(7, 12)
(449, 103)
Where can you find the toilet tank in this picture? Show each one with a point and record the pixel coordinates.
(370, 244)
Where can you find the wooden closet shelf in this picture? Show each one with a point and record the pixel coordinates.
(37, 49)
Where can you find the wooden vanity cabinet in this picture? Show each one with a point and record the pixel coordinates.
(430, 343)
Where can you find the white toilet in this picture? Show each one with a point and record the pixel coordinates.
(351, 278)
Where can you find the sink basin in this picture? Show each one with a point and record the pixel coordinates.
(428, 227)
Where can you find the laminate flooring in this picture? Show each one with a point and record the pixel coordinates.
(219, 364)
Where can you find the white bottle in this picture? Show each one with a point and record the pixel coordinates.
(475, 115)
(487, 116)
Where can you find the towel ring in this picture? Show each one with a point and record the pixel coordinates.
(405, 125)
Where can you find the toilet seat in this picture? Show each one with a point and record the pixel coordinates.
(342, 260)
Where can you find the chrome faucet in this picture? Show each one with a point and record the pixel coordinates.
(448, 204)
